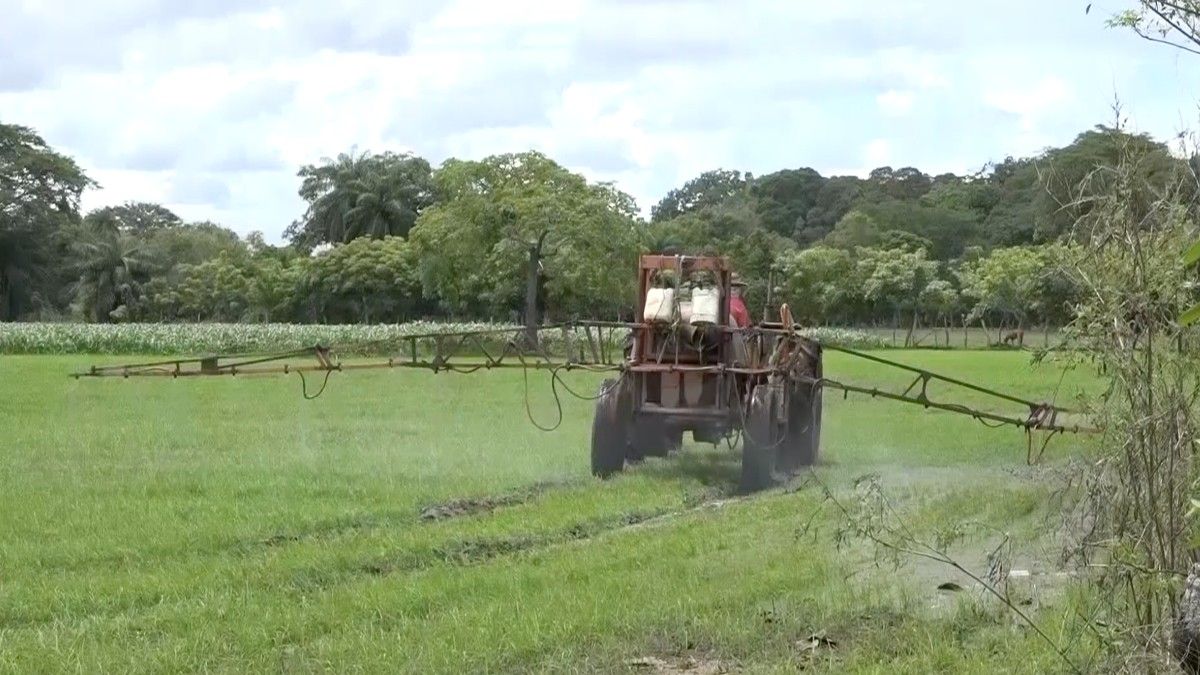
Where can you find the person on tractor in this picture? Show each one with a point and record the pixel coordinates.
(739, 316)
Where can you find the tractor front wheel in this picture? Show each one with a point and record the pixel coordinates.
(610, 429)
(762, 435)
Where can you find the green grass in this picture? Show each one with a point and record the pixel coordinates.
(151, 525)
(973, 337)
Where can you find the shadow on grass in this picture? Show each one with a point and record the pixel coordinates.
(718, 469)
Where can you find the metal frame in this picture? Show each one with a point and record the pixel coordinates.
(448, 347)
(650, 359)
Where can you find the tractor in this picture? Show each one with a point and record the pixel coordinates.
(693, 362)
(689, 366)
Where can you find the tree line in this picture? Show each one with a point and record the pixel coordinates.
(388, 238)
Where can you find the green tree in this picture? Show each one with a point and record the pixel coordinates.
(947, 231)
(134, 217)
(855, 229)
(274, 287)
(709, 189)
(1073, 175)
(939, 300)
(906, 241)
(473, 245)
(895, 280)
(907, 183)
(783, 199)
(1008, 282)
(366, 280)
(111, 267)
(971, 194)
(159, 301)
(191, 243)
(361, 196)
(1011, 220)
(39, 196)
(215, 290)
(1171, 22)
(816, 283)
(833, 201)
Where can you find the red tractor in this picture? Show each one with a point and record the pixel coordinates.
(689, 366)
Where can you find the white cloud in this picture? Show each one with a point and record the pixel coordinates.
(893, 102)
(1030, 101)
(877, 153)
(212, 107)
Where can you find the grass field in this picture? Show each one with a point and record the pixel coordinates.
(229, 525)
(972, 337)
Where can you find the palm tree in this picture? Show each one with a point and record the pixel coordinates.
(111, 268)
(362, 196)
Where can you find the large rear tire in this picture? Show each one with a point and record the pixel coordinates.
(803, 441)
(610, 429)
(762, 436)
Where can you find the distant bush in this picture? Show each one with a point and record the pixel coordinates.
(347, 339)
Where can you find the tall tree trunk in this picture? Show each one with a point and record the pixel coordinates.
(5, 299)
(532, 318)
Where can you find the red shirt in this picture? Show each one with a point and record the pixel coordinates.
(737, 310)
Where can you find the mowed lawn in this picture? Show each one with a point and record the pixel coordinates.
(227, 524)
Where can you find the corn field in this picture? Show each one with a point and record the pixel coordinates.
(348, 339)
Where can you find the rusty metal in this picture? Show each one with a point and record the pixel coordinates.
(674, 262)
(1045, 421)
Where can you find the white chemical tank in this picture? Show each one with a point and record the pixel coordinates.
(706, 306)
(660, 305)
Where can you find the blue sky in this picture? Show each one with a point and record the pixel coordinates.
(210, 107)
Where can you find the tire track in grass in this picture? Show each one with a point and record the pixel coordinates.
(469, 506)
(455, 552)
(453, 508)
(13, 618)
(478, 550)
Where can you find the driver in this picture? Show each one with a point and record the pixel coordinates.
(739, 316)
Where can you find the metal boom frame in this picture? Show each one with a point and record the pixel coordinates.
(516, 353)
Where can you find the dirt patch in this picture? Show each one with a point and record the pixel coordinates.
(327, 529)
(457, 508)
(464, 507)
(708, 495)
(484, 549)
(683, 666)
(471, 551)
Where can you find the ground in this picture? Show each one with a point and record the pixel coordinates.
(412, 522)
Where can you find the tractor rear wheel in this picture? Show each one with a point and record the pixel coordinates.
(803, 440)
(762, 436)
(610, 429)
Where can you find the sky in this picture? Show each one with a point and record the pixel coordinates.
(211, 106)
